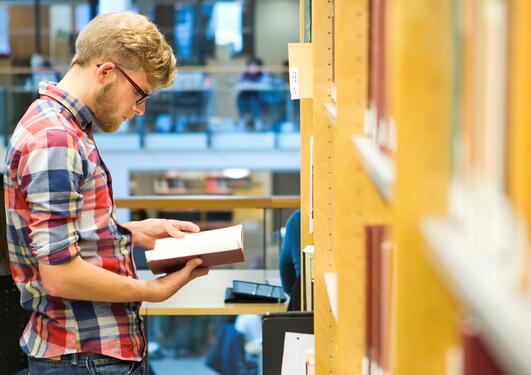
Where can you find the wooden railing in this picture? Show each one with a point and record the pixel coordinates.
(209, 202)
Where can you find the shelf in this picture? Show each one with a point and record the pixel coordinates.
(487, 286)
(204, 295)
(331, 112)
(379, 166)
(330, 279)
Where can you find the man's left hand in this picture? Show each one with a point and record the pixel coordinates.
(145, 232)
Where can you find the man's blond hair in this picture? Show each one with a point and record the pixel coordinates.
(129, 40)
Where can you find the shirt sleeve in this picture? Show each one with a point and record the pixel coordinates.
(50, 176)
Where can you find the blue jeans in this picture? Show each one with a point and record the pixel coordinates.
(85, 364)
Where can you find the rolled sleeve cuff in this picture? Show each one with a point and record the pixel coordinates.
(60, 253)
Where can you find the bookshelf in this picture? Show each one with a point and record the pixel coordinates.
(428, 138)
(345, 198)
(425, 314)
(519, 135)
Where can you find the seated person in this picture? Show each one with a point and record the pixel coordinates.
(290, 260)
(252, 80)
(227, 354)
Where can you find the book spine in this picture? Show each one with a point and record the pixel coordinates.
(209, 260)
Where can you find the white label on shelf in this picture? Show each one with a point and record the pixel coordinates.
(294, 83)
(331, 289)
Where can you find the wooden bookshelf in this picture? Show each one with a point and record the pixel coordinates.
(345, 199)
(519, 137)
(445, 105)
(419, 70)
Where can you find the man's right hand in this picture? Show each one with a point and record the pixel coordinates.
(164, 287)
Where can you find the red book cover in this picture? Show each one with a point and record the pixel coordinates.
(376, 296)
(216, 258)
(368, 297)
(387, 299)
(378, 233)
(215, 247)
(377, 72)
(476, 358)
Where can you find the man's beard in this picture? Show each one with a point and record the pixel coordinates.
(105, 107)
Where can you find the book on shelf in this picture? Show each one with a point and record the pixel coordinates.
(307, 277)
(215, 247)
(378, 127)
(379, 266)
(477, 358)
(480, 133)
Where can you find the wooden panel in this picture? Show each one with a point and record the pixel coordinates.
(326, 346)
(306, 115)
(519, 151)
(420, 102)
(353, 194)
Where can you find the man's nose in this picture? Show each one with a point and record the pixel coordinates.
(139, 109)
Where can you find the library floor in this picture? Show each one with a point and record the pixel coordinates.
(169, 366)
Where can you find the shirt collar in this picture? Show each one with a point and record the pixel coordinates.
(82, 114)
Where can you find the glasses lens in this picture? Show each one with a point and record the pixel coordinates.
(142, 99)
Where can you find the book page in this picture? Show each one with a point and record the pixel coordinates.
(229, 238)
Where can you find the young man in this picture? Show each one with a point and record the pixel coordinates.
(70, 258)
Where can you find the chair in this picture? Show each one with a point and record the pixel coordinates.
(13, 318)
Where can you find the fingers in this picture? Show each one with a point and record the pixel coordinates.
(193, 268)
(186, 225)
(172, 282)
(192, 264)
(175, 228)
(199, 271)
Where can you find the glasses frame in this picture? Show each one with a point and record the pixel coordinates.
(143, 95)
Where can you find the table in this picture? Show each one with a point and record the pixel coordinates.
(204, 295)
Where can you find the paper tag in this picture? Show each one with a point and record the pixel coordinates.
(296, 345)
(294, 83)
(301, 70)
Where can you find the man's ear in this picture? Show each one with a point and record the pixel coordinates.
(106, 73)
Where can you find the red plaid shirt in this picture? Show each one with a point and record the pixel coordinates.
(59, 205)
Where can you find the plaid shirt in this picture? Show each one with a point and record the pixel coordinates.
(59, 205)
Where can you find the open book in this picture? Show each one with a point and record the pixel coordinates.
(214, 247)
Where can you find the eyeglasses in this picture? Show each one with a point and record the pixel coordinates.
(143, 95)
